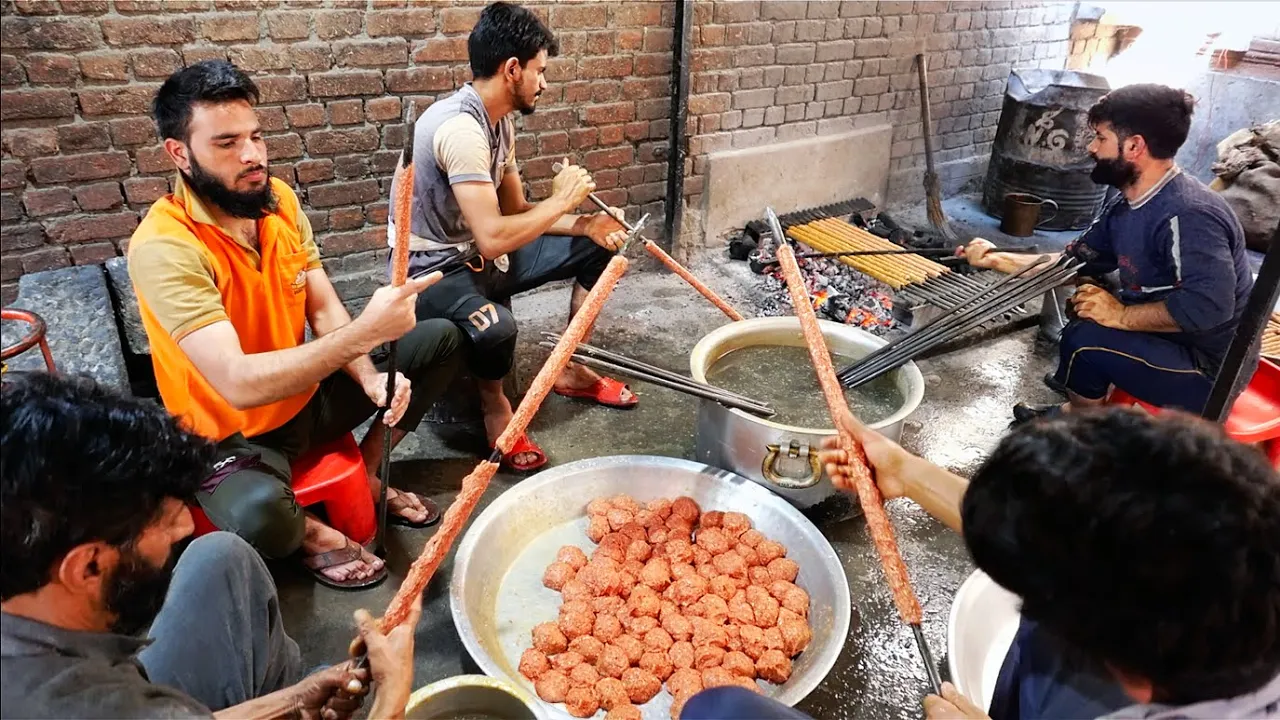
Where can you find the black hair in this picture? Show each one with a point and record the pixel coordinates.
(1151, 544)
(211, 81)
(1160, 114)
(507, 31)
(83, 463)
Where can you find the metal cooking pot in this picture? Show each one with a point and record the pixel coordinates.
(784, 458)
(472, 697)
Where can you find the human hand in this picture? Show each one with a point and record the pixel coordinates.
(1096, 303)
(977, 253)
(390, 659)
(952, 706)
(329, 693)
(572, 185)
(887, 459)
(375, 386)
(391, 311)
(606, 230)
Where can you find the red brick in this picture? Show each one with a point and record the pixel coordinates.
(558, 119)
(653, 64)
(99, 196)
(653, 109)
(354, 82)
(149, 31)
(401, 23)
(630, 40)
(310, 56)
(154, 6)
(552, 143)
(281, 88)
(441, 50)
(13, 174)
(304, 116)
(52, 69)
(83, 228)
(23, 33)
(572, 15)
(29, 104)
(51, 201)
(260, 58)
(312, 171)
(635, 131)
(132, 99)
(611, 158)
(341, 142)
(377, 213)
(93, 253)
(37, 7)
(289, 25)
(713, 103)
(31, 142)
(351, 167)
(47, 258)
(88, 166)
(319, 219)
(458, 20)
(350, 242)
(423, 79)
(384, 161)
(331, 24)
(284, 146)
(393, 136)
(271, 119)
(346, 112)
(10, 269)
(225, 27)
(245, 4)
(153, 160)
(604, 67)
(11, 72)
(155, 63)
(612, 135)
(657, 39)
(370, 53)
(10, 208)
(382, 109)
(738, 11)
(284, 172)
(609, 114)
(141, 191)
(637, 14)
(193, 55)
(127, 132)
(347, 218)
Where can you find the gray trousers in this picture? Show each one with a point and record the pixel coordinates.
(219, 637)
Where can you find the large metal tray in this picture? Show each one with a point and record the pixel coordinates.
(496, 592)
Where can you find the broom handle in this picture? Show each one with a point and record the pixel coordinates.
(926, 116)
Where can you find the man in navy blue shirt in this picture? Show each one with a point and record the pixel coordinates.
(1179, 253)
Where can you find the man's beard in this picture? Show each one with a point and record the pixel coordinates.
(253, 204)
(527, 108)
(136, 591)
(1116, 172)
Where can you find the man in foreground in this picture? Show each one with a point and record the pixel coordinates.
(1145, 551)
(228, 278)
(1179, 250)
(93, 497)
(467, 193)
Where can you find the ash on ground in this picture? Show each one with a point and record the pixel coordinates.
(839, 293)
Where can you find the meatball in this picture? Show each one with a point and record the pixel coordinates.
(641, 685)
(795, 636)
(796, 600)
(681, 570)
(628, 583)
(575, 589)
(711, 519)
(715, 609)
(679, 551)
(707, 571)
(584, 675)
(658, 535)
(752, 641)
(612, 693)
(577, 624)
(597, 528)
(706, 632)
(735, 523)
(774, 667)
(633, 568)
(576, 606)
(739, 664)
(769, 551)
(678, 626)
(634, 531)
(613, 660)
(632, 646)
(668, 608)
(734, 633)
(784, 615)
(548, 640)
(582, 702)
(772, 638)
(644, 602)
(681, 654)
(748, 684)
(657, 663)
(730, 563)
(661, 506)
(763, 606)
(701, 557)
(640, 626)
(533, 664)
(740, 610)
(572, 556)
(599, 506)
(678, 528)
(677, 707)
(713, 540)
(717, 677)
(722, 586)
(686, 508)
(658, 639)
(566, 661)
(688, 590)
(557, 575)
(607, 604)
(624, 712)
(639, 551)
(784, 569)
(601, 580)
(613, 546)
(707, 656)
(618, 517)
(685, 683)
(625, 502)
(553, 686)
(656, 574)
(748, 554)
(588, 646)
(759, 575)
(607, 628)
(751, 538)
(647, 518)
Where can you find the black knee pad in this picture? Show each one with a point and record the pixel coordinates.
(491, 328)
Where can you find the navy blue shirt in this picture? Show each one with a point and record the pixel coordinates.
(1182, 244)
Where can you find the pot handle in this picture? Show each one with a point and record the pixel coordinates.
(791, 482)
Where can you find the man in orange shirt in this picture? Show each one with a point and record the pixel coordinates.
(228, 276)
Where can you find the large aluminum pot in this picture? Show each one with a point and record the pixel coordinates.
(784, 458)
(472, 696)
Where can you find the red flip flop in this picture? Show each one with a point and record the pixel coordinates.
(606, 391)
(524, 445)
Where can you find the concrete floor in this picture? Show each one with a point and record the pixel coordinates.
(653, 316)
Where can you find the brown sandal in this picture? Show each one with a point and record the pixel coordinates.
(398, 503)
(349, 553)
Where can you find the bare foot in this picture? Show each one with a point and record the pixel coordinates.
(410, 506)
(320, 538)
(579, 377)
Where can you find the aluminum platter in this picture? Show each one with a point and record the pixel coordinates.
(496, 592)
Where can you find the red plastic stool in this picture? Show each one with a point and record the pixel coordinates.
(1255, 416)
(333, 474)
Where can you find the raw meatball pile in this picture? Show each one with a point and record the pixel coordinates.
(670, 595)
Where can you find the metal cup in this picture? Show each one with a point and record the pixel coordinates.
(1022, 213)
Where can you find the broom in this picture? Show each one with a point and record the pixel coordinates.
(932, 188)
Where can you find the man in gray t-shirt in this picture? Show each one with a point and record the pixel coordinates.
(467, 194)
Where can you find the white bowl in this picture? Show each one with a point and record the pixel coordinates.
(984, 619)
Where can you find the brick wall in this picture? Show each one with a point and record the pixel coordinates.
(81, 161)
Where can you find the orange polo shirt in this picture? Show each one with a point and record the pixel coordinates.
(189, 273)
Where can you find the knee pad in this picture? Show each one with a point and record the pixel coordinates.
(491, 329)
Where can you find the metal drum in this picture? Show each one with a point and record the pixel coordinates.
(1041, 145)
